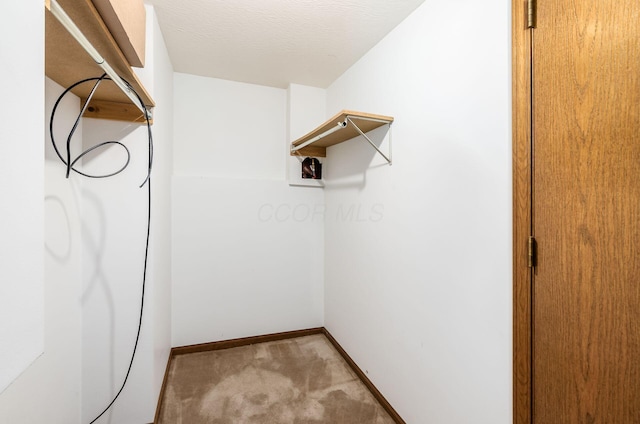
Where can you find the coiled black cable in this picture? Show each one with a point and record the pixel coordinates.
(70, 167)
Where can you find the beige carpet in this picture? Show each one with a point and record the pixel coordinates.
(295, 381)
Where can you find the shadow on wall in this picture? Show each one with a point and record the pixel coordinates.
(94, 238)
(56, 211)
(361, 157)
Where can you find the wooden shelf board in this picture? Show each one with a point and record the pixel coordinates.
(66, 62)
(100, 109)
(313, 151)
(126, 20)
(319, 147)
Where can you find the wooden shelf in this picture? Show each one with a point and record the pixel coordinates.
(66, 62)
(319, 147)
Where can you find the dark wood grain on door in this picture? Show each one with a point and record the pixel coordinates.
(586, 212)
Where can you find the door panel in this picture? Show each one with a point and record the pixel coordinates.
(586, 212)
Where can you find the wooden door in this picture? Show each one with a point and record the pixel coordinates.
(584, 181)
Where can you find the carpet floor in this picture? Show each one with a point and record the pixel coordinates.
(295, 381)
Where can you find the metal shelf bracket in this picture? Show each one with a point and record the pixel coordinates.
(349, 119)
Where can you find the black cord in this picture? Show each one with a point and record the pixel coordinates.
(70, 167)
(68, 162)
(144, 281)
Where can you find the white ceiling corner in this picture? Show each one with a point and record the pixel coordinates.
(275, 42)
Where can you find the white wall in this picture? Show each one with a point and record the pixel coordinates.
(53, 381)
(21, 210)
(418, 274)
(114, 223)
(247, 248)
(160, 249)
(228, 129)
(47, 391)
(306, 108)
(410, 295)
(93, 244)
(114, 232)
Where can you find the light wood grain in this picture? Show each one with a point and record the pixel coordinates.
(314, 151)
(318, 148)
(586, 306)
(126, 20)
(66, 62)
(99, 109)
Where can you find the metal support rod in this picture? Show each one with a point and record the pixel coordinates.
(66, 21)
(369, 140)
(339, 126)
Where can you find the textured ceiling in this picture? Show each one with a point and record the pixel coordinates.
(275, 42)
